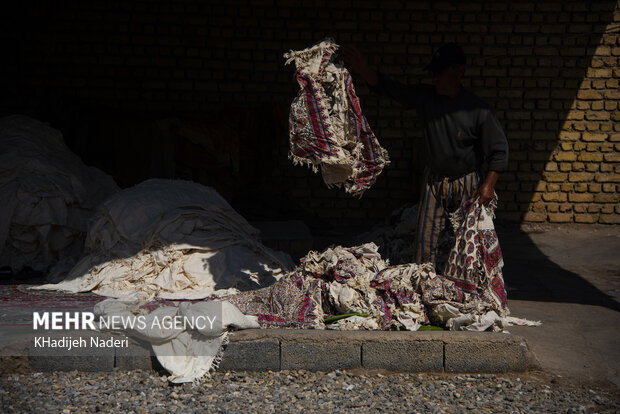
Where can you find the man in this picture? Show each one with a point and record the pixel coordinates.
(465, 146)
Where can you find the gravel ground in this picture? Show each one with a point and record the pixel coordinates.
(293, 391)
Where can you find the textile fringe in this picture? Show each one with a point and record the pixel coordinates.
(355, 193)
(357, 150)
(304, 162)
(454, 220)
(314, 164)
(328, 44)
(514, 321)
(217, 359)
(492, 206)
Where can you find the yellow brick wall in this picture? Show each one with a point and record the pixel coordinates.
(581, 179)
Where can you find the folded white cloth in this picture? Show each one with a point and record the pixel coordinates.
(190, 350)
(172, 239)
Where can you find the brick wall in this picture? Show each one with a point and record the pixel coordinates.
(581, 178)
(549, 68)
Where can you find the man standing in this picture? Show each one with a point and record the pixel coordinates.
(465, 146)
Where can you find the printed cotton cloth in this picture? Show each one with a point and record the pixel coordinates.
(355, 280)
(475, 262)
(326, 124)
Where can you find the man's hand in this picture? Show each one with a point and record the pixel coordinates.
(486, 191)
(356, 61)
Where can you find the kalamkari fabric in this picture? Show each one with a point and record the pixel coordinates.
(326, 125)
(476, 261)
(355, 280)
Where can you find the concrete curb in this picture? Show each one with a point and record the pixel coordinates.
(318, 350)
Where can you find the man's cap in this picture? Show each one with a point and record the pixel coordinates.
(447, 55)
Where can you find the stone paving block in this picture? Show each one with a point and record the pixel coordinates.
(319, 357)
(137, 356)
(275, 349)
(405, 356)
(251, 356)
(490, 357)
(92, 359)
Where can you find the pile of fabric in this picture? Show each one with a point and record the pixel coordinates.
(326, 124)
(353, 286)
(47, 194)
(352, 281)
(188, 354)
(357, 281)
(172, 239)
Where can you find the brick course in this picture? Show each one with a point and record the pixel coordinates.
(549, 68)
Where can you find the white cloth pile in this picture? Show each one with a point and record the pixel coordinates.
(175, 240)
(188, 348)
(48, 194)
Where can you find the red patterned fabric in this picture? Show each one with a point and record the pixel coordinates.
(326, 125)
(475, 262)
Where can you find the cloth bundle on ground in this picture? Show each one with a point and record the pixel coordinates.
(326, 124)
(47, 194)
(357, 284)
(172, 239)
(188, 354)
(357, 280)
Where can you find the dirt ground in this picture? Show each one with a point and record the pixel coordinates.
(567, 276)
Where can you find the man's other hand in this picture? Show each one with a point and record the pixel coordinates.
(486, 192)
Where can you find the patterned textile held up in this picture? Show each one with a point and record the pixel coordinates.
(475, 262)
(326, 124)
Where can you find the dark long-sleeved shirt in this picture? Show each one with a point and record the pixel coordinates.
(460, 133)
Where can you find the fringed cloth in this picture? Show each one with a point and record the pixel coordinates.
(356, 281)
(475, 262)
(339, 281)
(326, 124)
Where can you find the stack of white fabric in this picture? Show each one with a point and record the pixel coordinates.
(48, 194)
(188, 354)
(174, 240)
